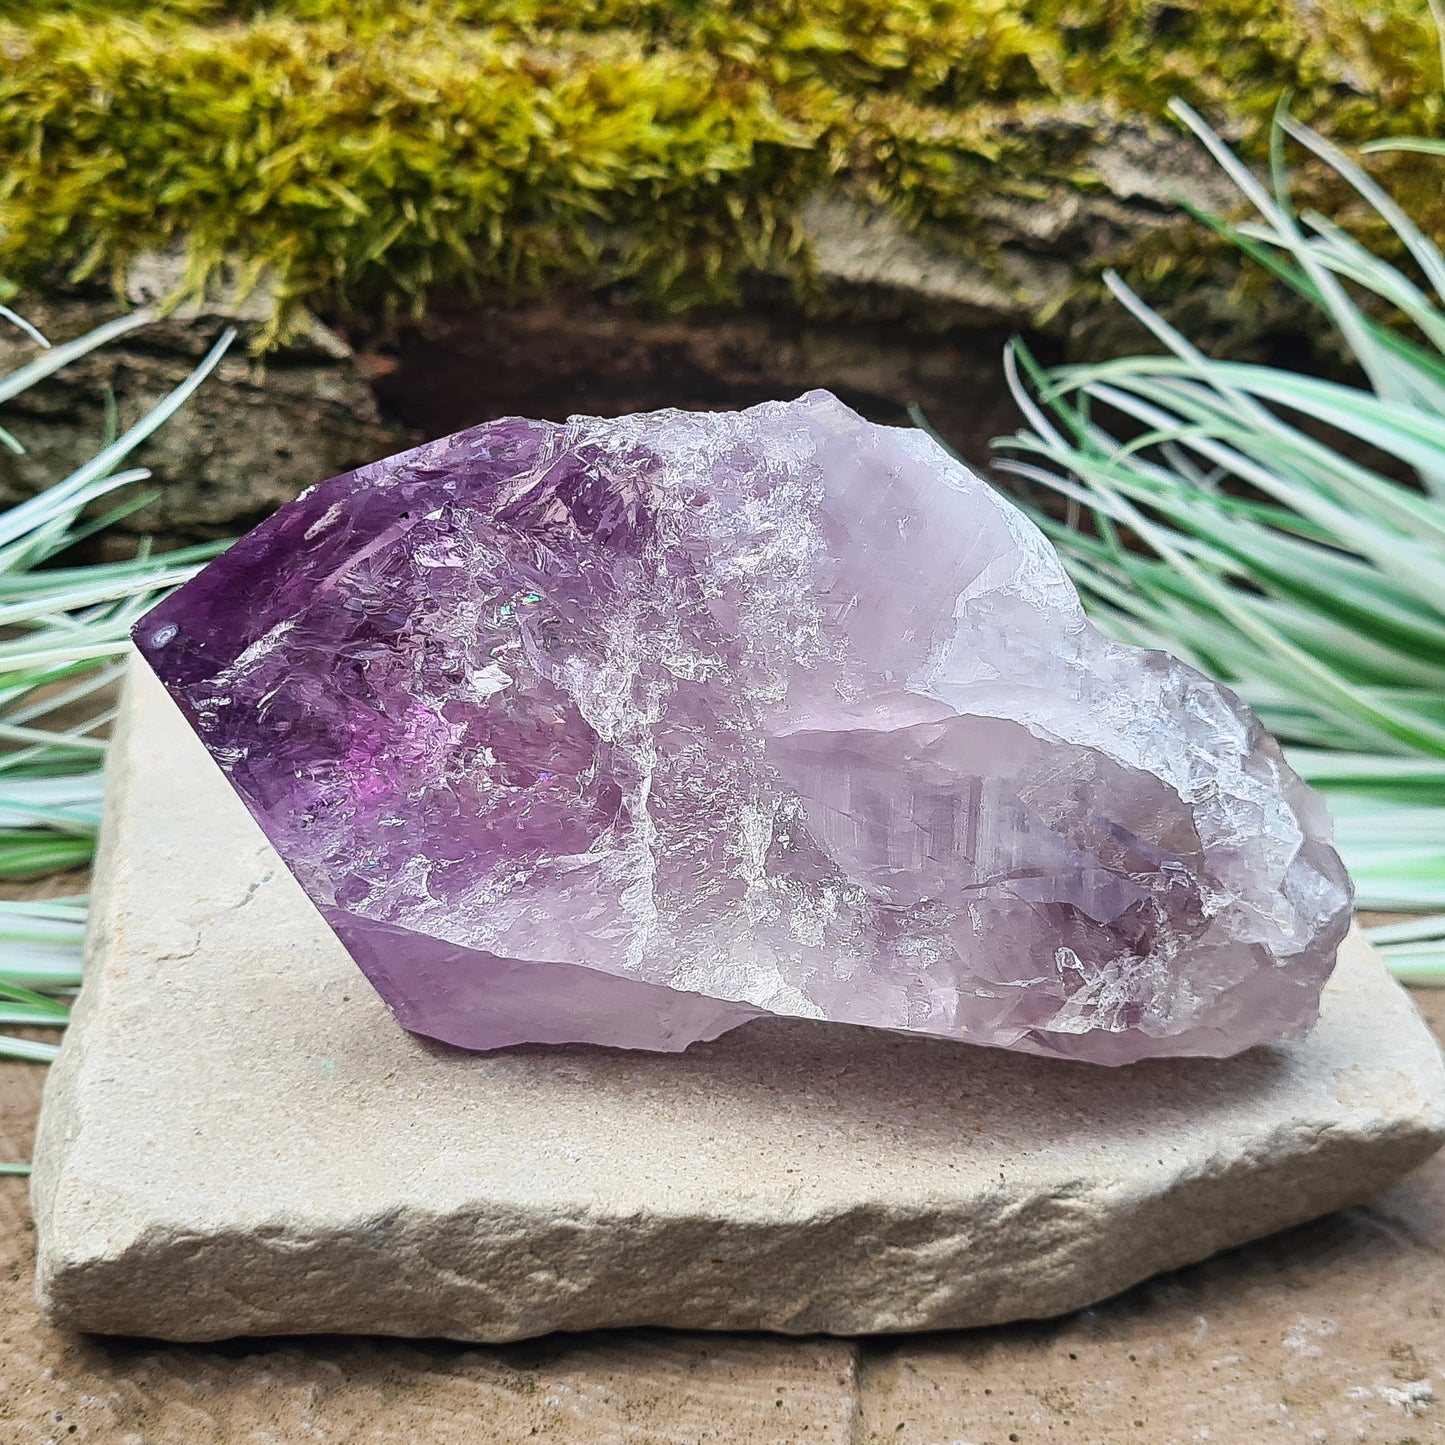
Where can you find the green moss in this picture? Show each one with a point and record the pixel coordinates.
(371, 153)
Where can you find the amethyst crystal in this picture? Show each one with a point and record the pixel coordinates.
(628, 732)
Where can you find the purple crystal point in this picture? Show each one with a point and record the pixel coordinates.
(627, 732)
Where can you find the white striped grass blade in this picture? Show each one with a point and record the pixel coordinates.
(1420, 145)
(56, 357)
(28, 1050)
(33, 332)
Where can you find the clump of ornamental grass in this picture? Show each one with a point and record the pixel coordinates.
(1282, 532)
(63, 636)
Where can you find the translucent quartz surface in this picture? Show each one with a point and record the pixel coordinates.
(630, 731)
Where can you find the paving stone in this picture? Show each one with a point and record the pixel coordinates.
(239, 1140)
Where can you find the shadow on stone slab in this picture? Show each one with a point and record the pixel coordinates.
(841, 1077)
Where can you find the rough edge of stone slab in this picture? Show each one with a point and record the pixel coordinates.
(238, 1139)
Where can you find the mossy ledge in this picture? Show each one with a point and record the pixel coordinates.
(368, 155)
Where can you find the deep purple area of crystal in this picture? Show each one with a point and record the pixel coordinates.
(628, 732)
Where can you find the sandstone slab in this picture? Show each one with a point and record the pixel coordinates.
(239, 1140)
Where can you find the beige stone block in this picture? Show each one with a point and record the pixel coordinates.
(238, 1139)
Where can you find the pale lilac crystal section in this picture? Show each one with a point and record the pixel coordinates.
(628, 732)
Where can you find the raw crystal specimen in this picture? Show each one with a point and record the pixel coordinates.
(628, 732)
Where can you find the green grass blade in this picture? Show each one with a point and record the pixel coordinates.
(1418, 145)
